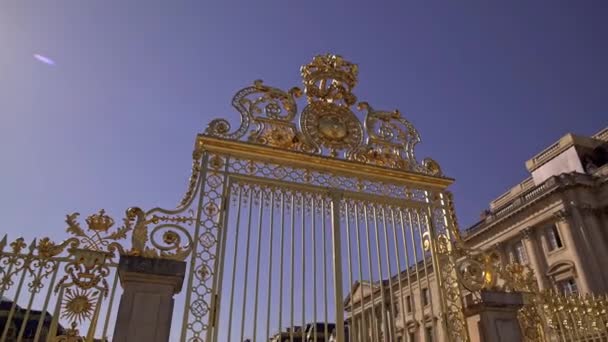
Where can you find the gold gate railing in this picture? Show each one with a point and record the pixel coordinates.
(52, 291)
(313, 188)
(551, 316)
(311, 223)
(546, 316)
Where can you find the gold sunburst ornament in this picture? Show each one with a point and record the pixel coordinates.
(78, 305)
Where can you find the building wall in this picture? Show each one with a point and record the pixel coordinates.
(580, 227)
(567, 161)
(416, 321)
(556, 222)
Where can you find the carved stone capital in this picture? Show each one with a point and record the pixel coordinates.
(498, 246)
(527, 233)
(563, 214)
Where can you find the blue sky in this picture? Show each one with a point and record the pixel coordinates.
(112, 123)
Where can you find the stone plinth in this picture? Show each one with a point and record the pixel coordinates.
(146, 305)
(492, 316)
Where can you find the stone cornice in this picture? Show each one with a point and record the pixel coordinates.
(562, 215)
(552, 185)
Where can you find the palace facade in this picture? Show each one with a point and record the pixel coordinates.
(555, 221)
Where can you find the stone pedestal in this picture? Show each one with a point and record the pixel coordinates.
(492, 316)
(146, 305)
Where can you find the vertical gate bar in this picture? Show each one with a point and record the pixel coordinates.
(604, 307)
(350, 267)
(583, 317)
(452, 234)
(336, 198)
(55, 321)
(434, 253)
(565, 312)
(374, 322)
(589, 314)
(325, 299)
(90, 337)
(303, 266)
(564, 320)
(314, 265)
(565, 316)
(47, 298)
(556, 314)
(379, 259)
(281, 261)
(364, 323)
(247, 247)
(26, 262)
(579, 332)
(603, 319)
(257, 270)
(560, 331)
(399, 270)
(411, 226)
(200, 189)
(110, 305)
(270, 264)
(391, 321)
(410, 302)
(235, 255)
(602, 331)
(425, 265)
(220, 251)
(29, 305)
(292, 271)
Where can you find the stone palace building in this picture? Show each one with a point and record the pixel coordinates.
(555, 221)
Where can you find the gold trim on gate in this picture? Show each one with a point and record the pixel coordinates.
(314, 162)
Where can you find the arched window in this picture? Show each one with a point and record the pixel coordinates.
(563, 276)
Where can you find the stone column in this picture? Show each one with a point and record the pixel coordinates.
(589, 252)
(597, 240)
(499, 247)
(534, 255)
(146, 305)
(511, 254)
(575, 246)
(492, 316)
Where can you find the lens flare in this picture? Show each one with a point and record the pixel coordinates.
(44, 59)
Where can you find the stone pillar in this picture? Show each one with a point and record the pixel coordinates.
(511, 254)
(535, 256)
(492, 316)
(598, 241)
(146, 305)
(502, 255)
(575, 246)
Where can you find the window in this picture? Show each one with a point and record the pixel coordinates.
(411, 337)
(568, 286)
(426, 296)
(520, 253)
(429, 333)
(396, 307)
(408, 304)
(555, 241)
